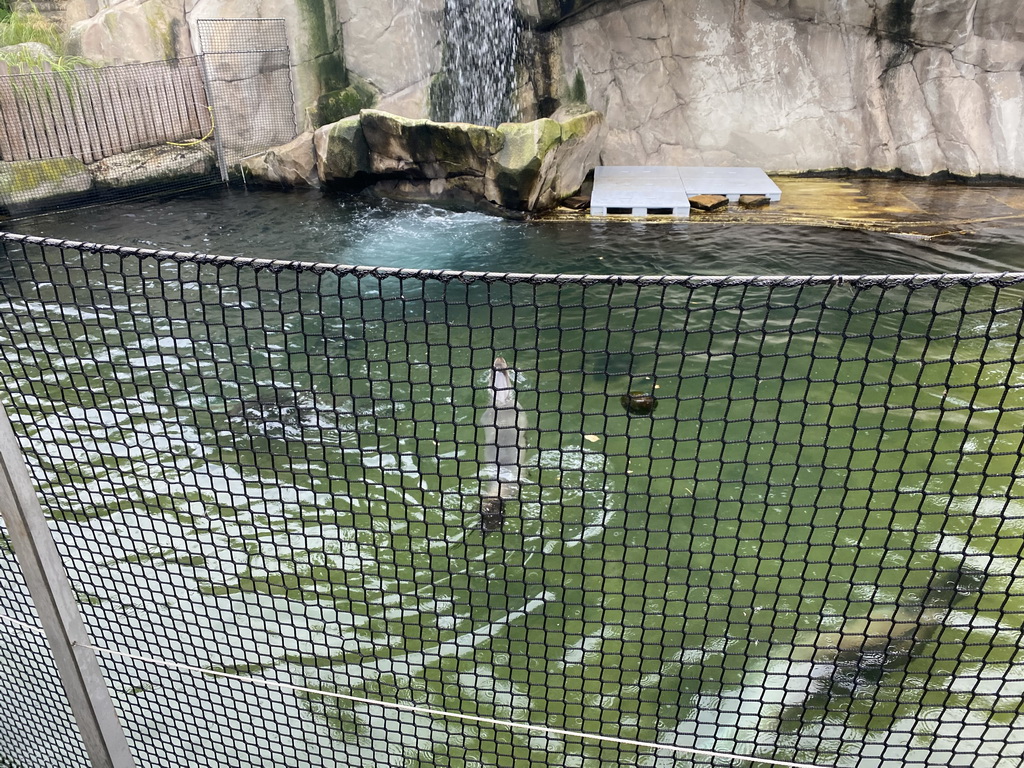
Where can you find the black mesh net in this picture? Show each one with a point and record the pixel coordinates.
(88, 135)
(37, 728)
(769, 519)
(247, 65)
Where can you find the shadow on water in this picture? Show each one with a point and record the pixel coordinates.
(810, 550)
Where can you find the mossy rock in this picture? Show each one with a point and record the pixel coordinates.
(153, 165)
(578, 126)
(31, 181)
(543, 161)
(341, 151)
(526, 143)
(425, 149)
(337, 105)
(516, 169)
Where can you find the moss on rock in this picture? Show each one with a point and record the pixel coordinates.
(581, 125)
(337, 105)
(525, 142)
(341, 151)
(30, 181)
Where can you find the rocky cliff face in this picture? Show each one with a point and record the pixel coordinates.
(923, 86)
(129, 31)
(395, 46)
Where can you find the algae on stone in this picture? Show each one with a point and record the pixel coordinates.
(153, 165)
(341, 151)
(31, 181)
(337, 105)
(516, 169)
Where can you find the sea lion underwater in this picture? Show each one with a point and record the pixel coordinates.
(504, 424)
(855, 658)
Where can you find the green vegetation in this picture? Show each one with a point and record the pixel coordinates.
(578, 89)
(17, 28)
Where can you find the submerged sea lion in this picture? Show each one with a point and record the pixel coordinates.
(504, 424)
(852, 661)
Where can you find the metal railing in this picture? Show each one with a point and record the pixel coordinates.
(341, 516)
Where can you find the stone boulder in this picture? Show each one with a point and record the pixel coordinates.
(425, 149)
(153, 165)
(342, 156)
(127, 33)
(516, 167)
(544, 161)
(26, 182)
(291, 165)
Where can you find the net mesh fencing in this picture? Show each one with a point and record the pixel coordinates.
(37, 728)
(92, 134)
(771, 518)
(248, 75)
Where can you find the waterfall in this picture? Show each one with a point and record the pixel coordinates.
(478, 78)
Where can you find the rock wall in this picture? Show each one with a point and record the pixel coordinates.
(129, 31)
(923, 86)
(395, 46)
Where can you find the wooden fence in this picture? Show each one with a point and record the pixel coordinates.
(92, 113)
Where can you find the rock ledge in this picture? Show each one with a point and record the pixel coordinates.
(514, 168)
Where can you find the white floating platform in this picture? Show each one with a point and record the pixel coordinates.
(636, 189)
(646, 190)
(731, 182)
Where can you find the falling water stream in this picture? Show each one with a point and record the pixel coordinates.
(478, 78)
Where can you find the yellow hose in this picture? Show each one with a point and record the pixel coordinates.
(194, 142)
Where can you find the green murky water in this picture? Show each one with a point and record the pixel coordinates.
(276, 474)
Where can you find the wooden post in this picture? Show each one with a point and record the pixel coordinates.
(58, 611)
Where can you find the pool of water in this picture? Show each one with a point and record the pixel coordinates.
(307, 226)
(279, 471)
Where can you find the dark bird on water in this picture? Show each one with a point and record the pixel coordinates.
(639, 403)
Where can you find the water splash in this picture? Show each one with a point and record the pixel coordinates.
(478, 76)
